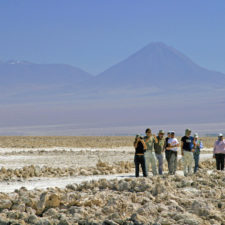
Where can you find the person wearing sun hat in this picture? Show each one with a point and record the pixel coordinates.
(197, 148)
(219, 152)
(159, 149)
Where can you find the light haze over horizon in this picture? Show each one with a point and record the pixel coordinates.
(145, 82)
(94, 35)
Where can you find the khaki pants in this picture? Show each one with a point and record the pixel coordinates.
(150, 158)
(188, 162)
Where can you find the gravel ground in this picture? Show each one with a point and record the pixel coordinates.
(86, 185)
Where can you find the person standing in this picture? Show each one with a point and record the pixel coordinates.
(187, 152)
(167, 152)
(150, 157)
(139, 159)
(197, 148)
(173, 148)
(219, 152)
(159, 149)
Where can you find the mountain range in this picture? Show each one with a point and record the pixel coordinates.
(154, 84)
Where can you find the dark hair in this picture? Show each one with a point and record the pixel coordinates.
(148, 130)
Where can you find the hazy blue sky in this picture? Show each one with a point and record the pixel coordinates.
(95, 34)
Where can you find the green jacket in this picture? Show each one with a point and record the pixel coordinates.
(159, 146)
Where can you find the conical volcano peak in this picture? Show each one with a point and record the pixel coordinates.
(157, 44)
(155, 64)
(157, 48)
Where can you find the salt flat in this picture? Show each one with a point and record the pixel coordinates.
(76, 184)
(60, 157)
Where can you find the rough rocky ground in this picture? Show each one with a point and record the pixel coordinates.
(161, 200)
(21, 164)
(197, 199)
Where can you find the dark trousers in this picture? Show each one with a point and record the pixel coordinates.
(220, 161)
(172, 163)
(168, 154)
(196, 158)
(140, 159)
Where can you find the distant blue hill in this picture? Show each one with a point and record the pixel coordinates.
(157, 66)
(155, 85)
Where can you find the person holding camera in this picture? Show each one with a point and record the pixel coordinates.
(139, 158)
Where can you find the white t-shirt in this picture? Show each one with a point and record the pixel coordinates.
(173, 142)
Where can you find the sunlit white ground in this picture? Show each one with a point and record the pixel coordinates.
(66, 157)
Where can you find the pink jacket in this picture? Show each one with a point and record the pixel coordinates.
(219, 147)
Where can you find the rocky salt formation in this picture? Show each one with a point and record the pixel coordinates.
(162, 200)
(208, 164)
(102, 168)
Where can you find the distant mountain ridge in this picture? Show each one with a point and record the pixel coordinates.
(23, 72)
(156, 64)
(23, 81)
(157, 84)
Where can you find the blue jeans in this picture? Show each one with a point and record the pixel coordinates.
(196, 158)
(159, 157)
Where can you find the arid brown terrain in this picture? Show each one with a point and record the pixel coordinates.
(90, 180)
(76, 141)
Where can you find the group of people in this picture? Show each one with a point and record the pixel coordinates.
(150, 149)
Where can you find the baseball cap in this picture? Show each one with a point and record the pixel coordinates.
(161, 132)
(187, 130)
(196, 135)
(220, 135)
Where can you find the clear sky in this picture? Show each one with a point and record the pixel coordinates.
(95, 34)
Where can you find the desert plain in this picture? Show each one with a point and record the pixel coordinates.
(90, 180)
